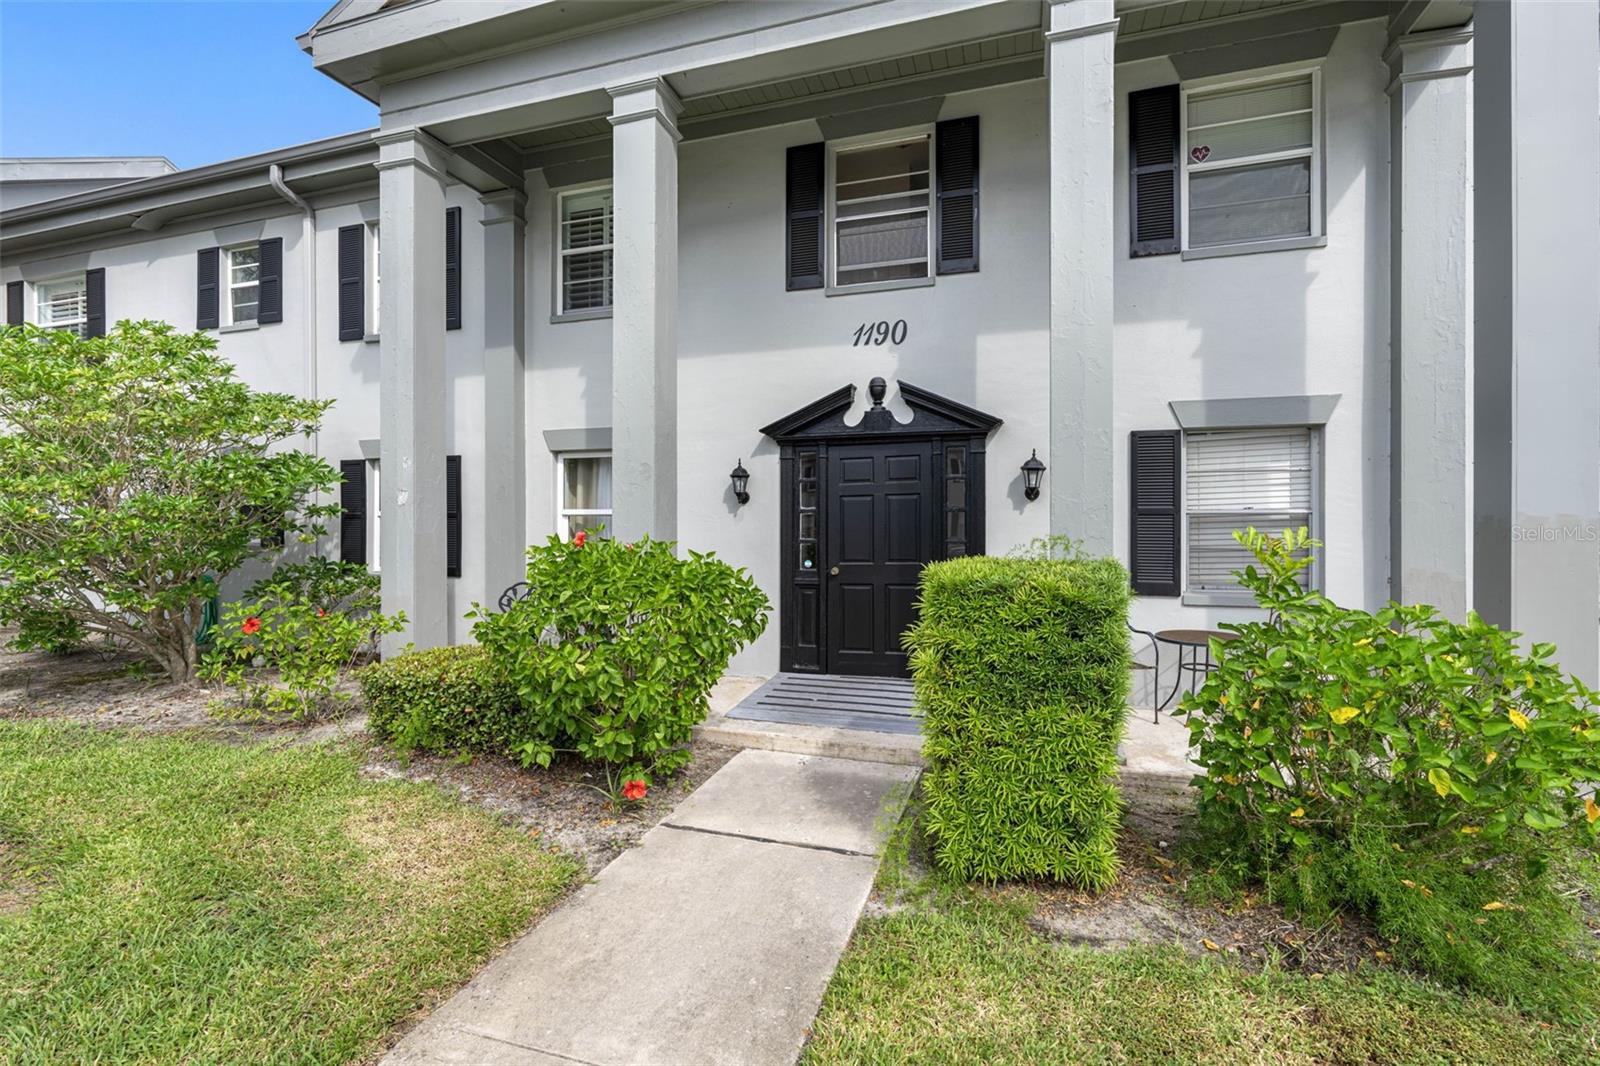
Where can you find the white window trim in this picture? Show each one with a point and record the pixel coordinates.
(1202, 86)
(374, 516)
(1243, 597)
(558, 301)
(371, 257)
(78, 325)
(830, 196)
(563, 512)
(225, 298)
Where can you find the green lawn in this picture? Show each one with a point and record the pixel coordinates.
(182, 900)
(969, 982)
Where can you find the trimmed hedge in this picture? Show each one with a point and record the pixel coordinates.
(1021, 673)
(443, 699)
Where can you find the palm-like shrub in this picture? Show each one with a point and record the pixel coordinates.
(1021, 674)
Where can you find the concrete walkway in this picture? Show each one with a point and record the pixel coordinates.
(710, 942)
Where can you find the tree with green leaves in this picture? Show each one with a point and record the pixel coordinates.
(136, 470)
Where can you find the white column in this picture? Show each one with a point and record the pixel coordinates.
(1081, 66)
(1431, 448)
(1537, 349)
(411, 180)
(644, 317)
(504, 419)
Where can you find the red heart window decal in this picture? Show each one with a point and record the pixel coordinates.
(1200, 153)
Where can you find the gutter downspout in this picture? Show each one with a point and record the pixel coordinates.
(308, 241)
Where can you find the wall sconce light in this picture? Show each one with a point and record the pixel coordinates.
(1032, 474)
(741, 483)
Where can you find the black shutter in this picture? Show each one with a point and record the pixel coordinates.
(14, 316)
(94, 293)
(1153, 533)
(803, 256)
(353, 522)
(270, 308)
(352, 282)
(1153, 170)
(452, 516)
(956, 163)
(205, 293)
(452, 268)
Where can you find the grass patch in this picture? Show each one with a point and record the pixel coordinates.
(969, 982)
(174, 899)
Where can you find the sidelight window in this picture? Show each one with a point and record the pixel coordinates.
(955, 501)
(806, 510)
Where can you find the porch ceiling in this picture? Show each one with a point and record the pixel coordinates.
(1020, 54)
(1146, 28)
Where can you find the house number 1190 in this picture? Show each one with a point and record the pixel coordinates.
(880, 333)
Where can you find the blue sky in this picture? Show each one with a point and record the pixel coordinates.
(196, 82)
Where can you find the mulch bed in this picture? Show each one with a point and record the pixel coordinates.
(112, 688)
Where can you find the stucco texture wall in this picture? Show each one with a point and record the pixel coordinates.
(1279, 323)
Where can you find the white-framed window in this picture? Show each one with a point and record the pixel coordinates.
(374, 515)
(241, 275)
(375, 272)
(62, 304)
(583, 482)
(879, 209)
(584, 250)
(1236, 478)
(1252, 160)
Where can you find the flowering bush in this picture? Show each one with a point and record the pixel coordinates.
(1397, 762)
(282, 647)
(615, 648)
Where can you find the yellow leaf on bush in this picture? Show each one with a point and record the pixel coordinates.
(1489, 757)
(1494, 905)
(1300, 812)
(1343, 715)
(1591, 809)
(1518, 719)
(1470, 829)
(1440, 781)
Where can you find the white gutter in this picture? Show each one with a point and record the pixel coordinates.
(308, 242)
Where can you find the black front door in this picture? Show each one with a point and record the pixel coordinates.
(881, 517)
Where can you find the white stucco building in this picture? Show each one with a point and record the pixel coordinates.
(1213, 262)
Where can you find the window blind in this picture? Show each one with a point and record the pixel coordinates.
(1239, 478)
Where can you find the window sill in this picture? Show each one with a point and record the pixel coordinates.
(581, 316)
(879, 286)
(1287, 244)
(239, 327)
(1218, 598)
(371, 338)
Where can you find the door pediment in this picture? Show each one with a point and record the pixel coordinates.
(932, 415)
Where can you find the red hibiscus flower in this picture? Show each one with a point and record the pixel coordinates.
(579, 537)
(251, 627)
(322, 612)
(634, 789)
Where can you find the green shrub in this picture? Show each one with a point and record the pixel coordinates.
(1021, 671)
(307, 623)
(442, 700)
(615, 648)
(134, 468)
(1422, 770)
